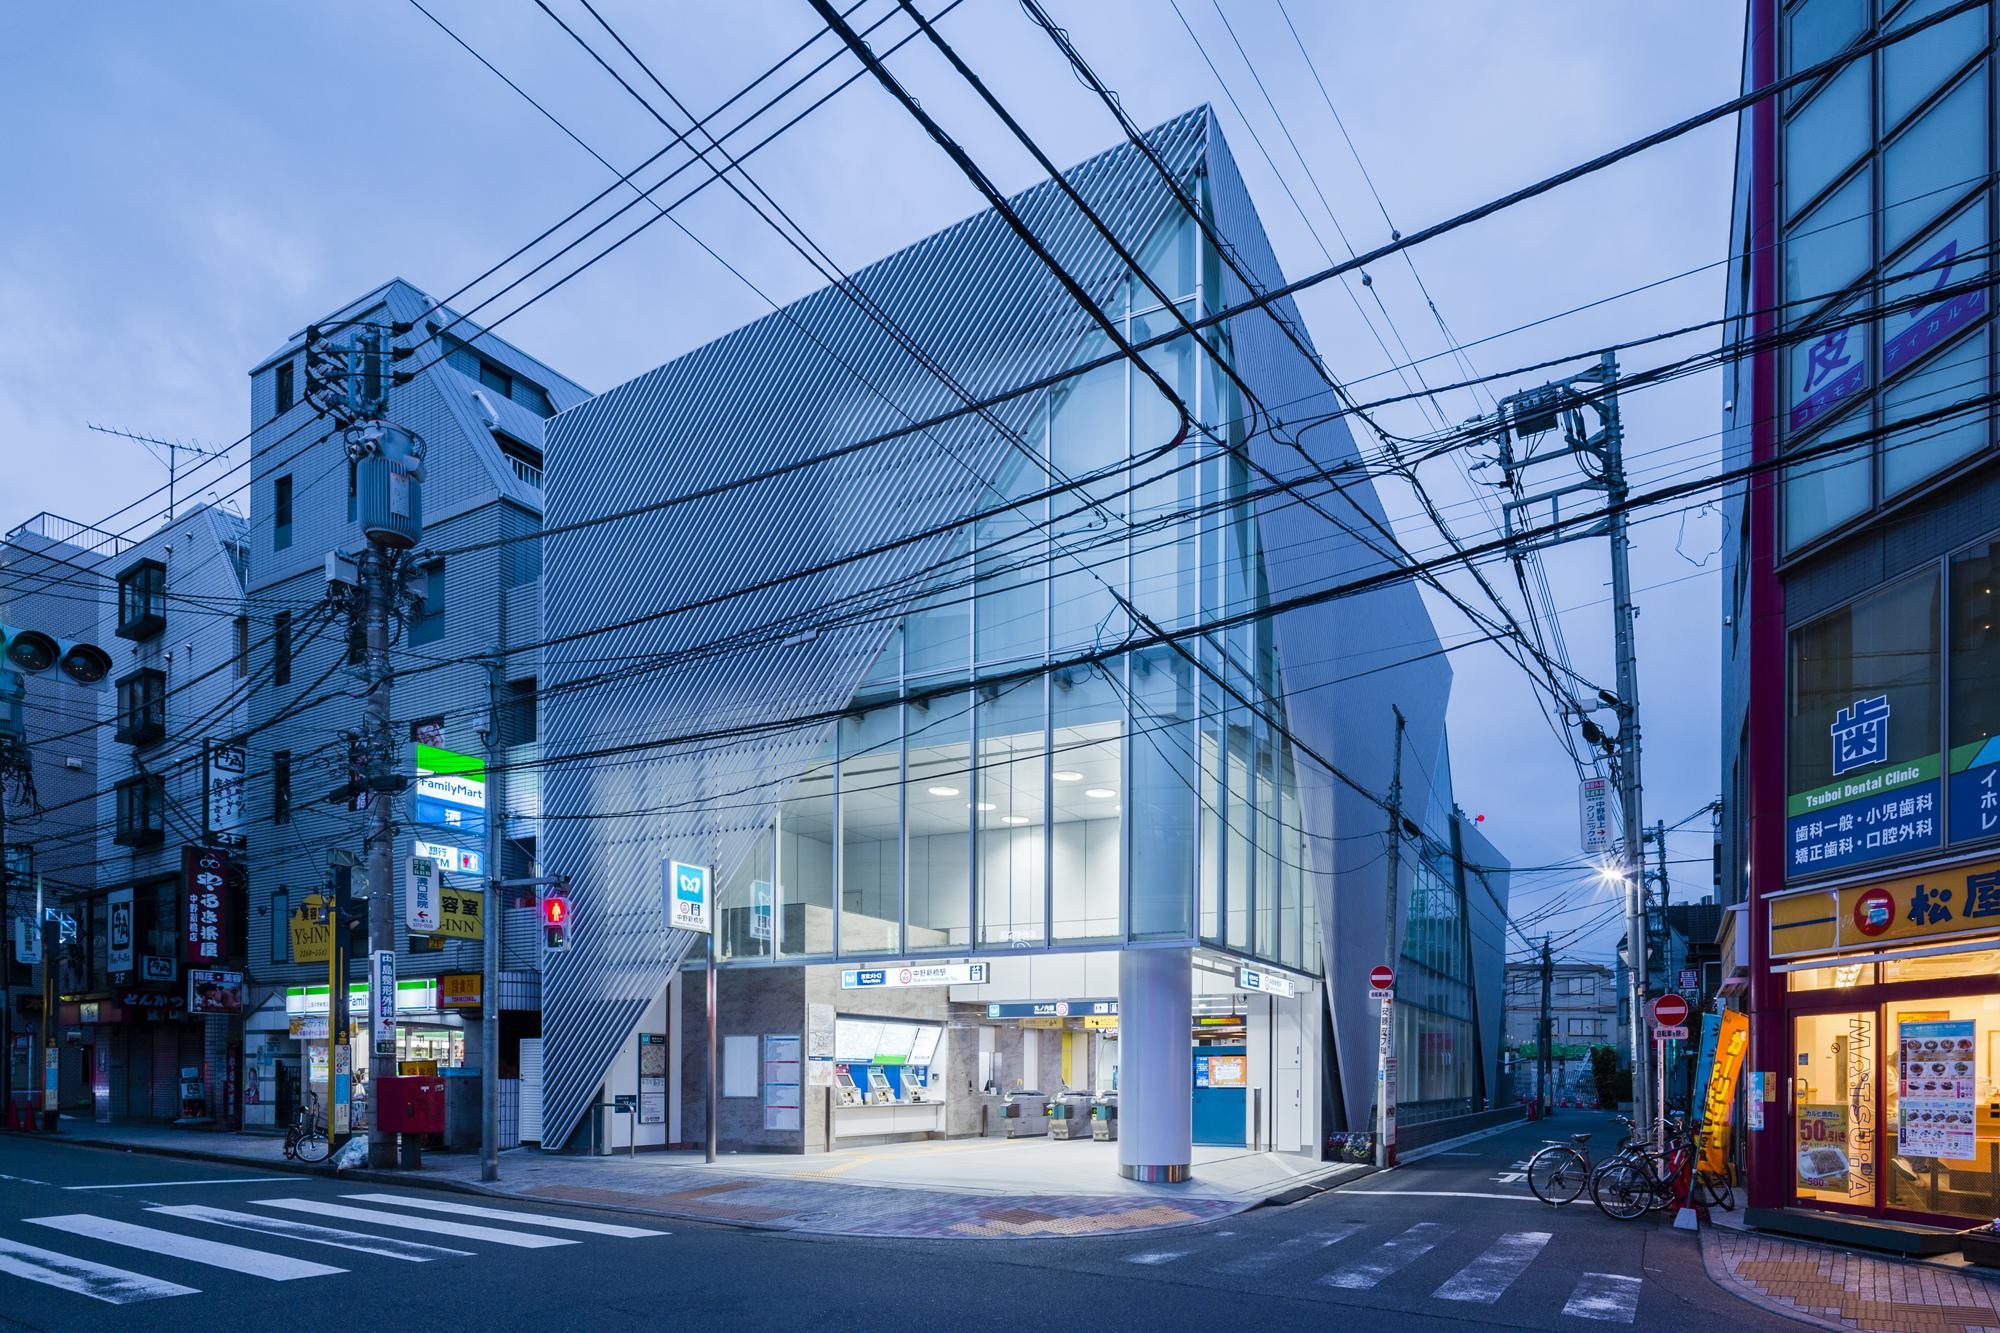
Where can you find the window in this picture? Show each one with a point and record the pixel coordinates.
(281, 648)
(1818, 29)
(242, 647)
(427, 624)
(1864, 731)
(281, 925)
(142, 707)
(1827, 135)
(142, 804)
(496, 378)
(1953, 377)
(281, 513)
(1975, 695)
(1830, 247)
(281, 786)
(281, 388)
(517, 712)
(1579, 986)
(1584, 1027)
(1913, 67)
(1933, 163)
(525, 459)
(142, 601)
(428, 731)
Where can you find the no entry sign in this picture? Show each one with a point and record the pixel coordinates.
(1381, 978)
(1669, 1011)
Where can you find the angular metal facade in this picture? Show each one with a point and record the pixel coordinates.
(663, 732)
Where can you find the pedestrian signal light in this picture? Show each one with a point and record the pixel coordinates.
(555, 921)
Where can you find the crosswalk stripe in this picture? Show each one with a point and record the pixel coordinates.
(387, 1247)
(1610, 1298)
(1391, 1256)
(235, 1258)
(1270, 1258)
(504, 1215)
(100, 1282)
(1487, 1278)
(1157, 1256)
(438, 1225)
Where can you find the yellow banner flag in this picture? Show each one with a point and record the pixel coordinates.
(1730, 1047)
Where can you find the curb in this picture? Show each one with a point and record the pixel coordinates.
(483, 1190)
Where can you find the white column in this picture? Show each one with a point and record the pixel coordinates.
(1155, 1082)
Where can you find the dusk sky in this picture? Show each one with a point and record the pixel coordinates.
(184, 193)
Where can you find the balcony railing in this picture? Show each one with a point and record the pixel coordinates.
(526, 471)
(56, 528)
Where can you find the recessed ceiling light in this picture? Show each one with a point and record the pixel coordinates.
(942, 791)
(984, 806)
(1015, 819)
(1067, 775)
(1099, 793)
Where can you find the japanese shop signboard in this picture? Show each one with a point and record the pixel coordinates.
(1940, 904)
(206, 905)
(1873, 808)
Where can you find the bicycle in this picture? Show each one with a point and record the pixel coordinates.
(305, 1139)
(1560, 1171)
(1644, 1181)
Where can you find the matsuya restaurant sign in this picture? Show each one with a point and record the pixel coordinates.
(1872, 808)
(205, 900)
(1935, 905)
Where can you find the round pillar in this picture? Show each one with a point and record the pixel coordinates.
(1155, 1079)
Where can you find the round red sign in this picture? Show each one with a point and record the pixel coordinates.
(1670, 1011)
(1381, 978)
(1874, 912)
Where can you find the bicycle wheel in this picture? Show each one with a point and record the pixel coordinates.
(1714, 1191)
(1557, 1175)
(311, 1146)
(1624, 1191)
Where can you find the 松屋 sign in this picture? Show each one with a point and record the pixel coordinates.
(1938, 904)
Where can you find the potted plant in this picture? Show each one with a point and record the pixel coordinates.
(1981, 1244)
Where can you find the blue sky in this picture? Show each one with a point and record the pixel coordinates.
(187, 184)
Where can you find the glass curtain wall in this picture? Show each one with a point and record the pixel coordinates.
(1887, 166)
(948, 816)
(1437, 1050)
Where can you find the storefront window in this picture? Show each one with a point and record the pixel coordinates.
(1975, 695)
(1934, 161)
(1943, 1126)
(1163, 800)
(1834, 1113)
(1826, 135)
(1840, 976)
(1013, 786)
(937, 828)
(1086, 712)
(805, 862)
(1864, 730)
(1953, 377)
(870, 833)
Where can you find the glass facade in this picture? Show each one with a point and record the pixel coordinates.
(1437, 1041)
(1002, 782)
(1886, 164)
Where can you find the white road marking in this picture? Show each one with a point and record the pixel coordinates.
(387, 1247)
(1157, 1256)
(100, 1282)
(25, 1180)
(1609, 1298)
(1487, 1278)
(1290, 1249)
(166, 1184)
(1390, 1257)
(235, 1258)
(504, 1215)
(438, 1225)
(1510, 1177)
(1442, 1194)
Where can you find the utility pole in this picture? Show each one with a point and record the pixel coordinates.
(1525, 416)
(1385, 1069)
(1544, 1049)
(350, 383)
(489, 972)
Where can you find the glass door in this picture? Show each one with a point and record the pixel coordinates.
(1942, 1131)
(1834, 1108)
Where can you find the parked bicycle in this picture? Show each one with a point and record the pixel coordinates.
(305, 1139)
(1646, 1180)
(1561, 1170)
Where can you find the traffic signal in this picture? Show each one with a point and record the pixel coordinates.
(555, 921)
(32, 652)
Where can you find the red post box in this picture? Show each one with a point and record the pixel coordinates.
(409, 1104)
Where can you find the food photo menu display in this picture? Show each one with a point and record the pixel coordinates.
(1934, 1096)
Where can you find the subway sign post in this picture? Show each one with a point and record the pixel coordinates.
(688, 891)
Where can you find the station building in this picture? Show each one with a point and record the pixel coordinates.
(1025, 744)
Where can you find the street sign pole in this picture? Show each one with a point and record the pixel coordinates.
(688, 892)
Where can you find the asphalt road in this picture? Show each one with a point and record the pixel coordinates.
(91, 1239)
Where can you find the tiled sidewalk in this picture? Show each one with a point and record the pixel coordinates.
(1840, 1289)
(715, 1194)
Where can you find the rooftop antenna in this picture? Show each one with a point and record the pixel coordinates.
(174, 448)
